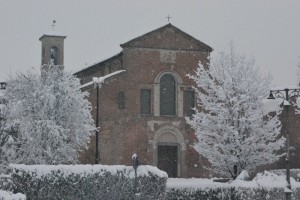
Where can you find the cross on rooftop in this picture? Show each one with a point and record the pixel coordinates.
(168, 17)
(53, 24)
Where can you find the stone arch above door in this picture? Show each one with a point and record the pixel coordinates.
(170, 137)
(171, 133)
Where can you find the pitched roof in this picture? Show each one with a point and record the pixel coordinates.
(158, 36)
(99, 63)
(146, 40)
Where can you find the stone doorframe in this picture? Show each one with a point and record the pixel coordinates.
(171, 135)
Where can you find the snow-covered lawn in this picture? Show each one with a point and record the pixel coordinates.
(262, 180)
(265, 186)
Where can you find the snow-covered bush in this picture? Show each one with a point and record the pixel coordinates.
(87, 182)
(232, 130)
(5, 195)
(230, 193)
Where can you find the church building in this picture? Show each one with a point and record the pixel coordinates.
(143, 109)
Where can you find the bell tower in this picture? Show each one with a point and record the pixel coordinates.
(52, 50)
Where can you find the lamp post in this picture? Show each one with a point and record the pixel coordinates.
(97, 81)
(286, 94)
(135, 164)
(97, 85)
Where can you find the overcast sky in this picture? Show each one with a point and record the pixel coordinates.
(266, 30)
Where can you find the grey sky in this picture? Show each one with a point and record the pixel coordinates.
(267, 30)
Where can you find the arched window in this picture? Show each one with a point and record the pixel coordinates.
(167, 95)
(53, 56)
(121, 99)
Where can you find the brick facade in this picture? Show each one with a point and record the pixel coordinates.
(146, 59)
(124, 131)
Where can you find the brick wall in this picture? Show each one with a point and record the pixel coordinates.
(125, 131)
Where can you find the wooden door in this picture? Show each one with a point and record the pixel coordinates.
(168, 159)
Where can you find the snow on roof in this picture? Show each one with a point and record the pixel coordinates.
(101, 79)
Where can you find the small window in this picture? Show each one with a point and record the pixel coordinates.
(189, 103)
(121, 99)
(145, 102)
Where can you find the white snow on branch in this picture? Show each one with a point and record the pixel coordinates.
(100, 80)
(233, 127)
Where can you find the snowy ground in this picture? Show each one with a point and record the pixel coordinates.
(4, 195)
(265, 180)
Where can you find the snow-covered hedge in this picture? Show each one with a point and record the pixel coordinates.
(266, 186)
(87, 182)
(230, 193)
(5, 195)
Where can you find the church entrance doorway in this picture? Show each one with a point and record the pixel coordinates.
(167, 159)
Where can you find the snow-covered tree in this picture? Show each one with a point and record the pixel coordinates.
(298, 74)
(5, 131)
(232, 131)
(50, 117)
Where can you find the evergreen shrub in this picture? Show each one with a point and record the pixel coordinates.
(231, 193)
(72, 182)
